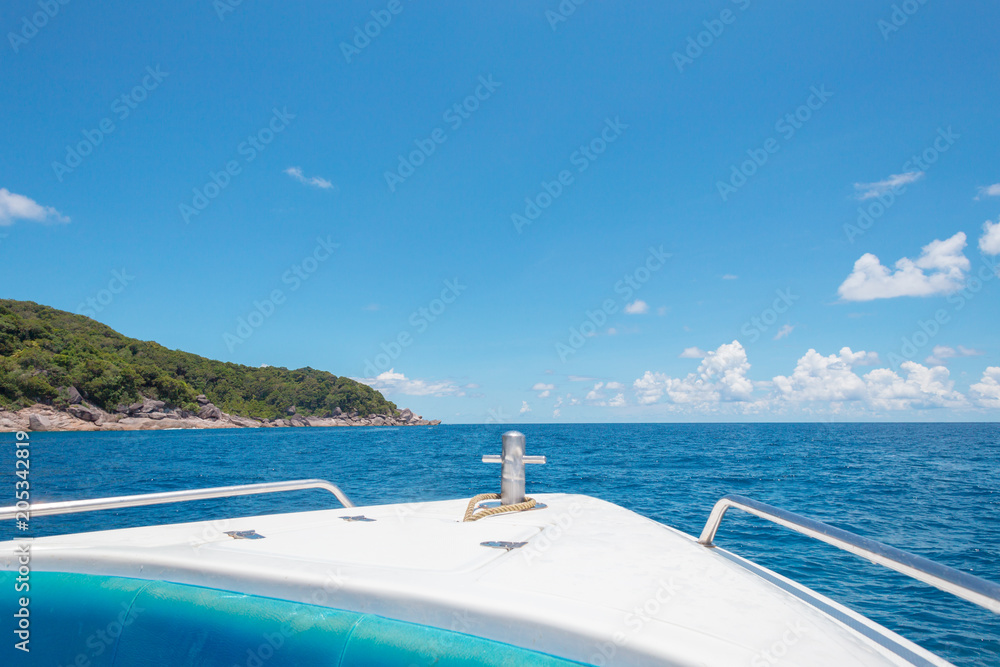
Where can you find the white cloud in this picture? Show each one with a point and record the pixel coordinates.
(832, 379)
(819, 378)
(661, 311)
(612, 331)
(989, 191)
(544, 389)
(942, 352)
(18, 207)
(315, 181)
(923, 388)
(556, 413)
(595, 395)
(989, 242)
(784, 331)
(878, 188)
(943, 261)
(721, 376)
(693, 353)
(987, 390)
(524, 408)
(637, 307)
(818, 383)
(391, 382)
(580, 378)
(730, 276)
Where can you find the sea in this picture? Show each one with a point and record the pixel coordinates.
(929, 488)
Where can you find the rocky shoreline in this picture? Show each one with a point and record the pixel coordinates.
(155, 415)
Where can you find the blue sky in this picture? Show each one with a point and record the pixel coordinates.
(526, 211)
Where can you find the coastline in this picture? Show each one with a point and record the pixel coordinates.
(153, 416)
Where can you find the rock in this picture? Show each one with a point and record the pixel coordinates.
(209, 411)
(202, 399)
(245, 422)
(435, 422)
(337, 411)
(406, 415)
(378, 421)
(38, 423)
(354, 414)
(84, 412)
(145, 407)
(73, 396)
(280, 422)
(291, 410)
(421, 422)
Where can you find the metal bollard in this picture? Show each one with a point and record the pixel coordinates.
(512, 462)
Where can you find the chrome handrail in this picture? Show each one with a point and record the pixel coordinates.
(967, 586)
(118, 502)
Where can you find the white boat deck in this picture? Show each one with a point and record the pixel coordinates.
(594, 583)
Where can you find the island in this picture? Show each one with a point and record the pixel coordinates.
(60, 371)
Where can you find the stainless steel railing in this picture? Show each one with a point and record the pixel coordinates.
(118, 502)
(969, 587)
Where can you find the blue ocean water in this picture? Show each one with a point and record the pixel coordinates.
(933, 489)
